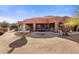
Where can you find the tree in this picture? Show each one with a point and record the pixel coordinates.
(72, 22)
(0, 25)
(13, 26)
(4, 24)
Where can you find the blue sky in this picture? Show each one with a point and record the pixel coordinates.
(14, 13)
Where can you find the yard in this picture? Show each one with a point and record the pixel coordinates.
(37, 42)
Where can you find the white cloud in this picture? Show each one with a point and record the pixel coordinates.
(25, 12)
(4, 8)
(21, 11)
(7, 19)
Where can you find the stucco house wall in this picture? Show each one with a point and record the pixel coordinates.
(44, 20)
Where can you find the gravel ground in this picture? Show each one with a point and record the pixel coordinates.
(38, 44)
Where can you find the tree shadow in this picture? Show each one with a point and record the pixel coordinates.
(42, 34)
(74, 37)
(71, 37)
(17, 44)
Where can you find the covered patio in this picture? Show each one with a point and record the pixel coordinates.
(45, 27)
(42, 27)
(43, 24)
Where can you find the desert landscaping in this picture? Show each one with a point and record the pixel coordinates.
(41, 32)
(38, 42)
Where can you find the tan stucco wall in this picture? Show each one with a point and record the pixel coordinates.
(56, 20)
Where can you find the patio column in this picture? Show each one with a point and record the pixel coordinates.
(34, 26)
(23, 27)
(8, 29)
(56, 26)
(20, 26)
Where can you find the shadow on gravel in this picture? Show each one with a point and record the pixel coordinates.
(17, 44)
(42, 35)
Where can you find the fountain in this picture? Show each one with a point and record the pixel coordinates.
(24, 32)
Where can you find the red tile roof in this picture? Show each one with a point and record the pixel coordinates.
(46, 19)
